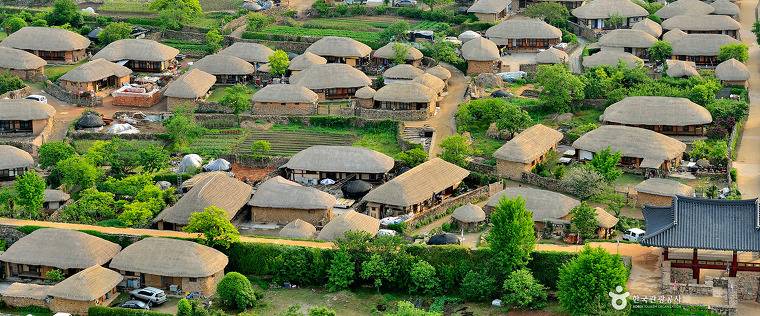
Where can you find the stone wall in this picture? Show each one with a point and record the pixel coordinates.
(10, 235)
(17, 94)
(671, 283)
(747, 285)
(473, 196)
(107, 136)
(405, 115)
(62, 94)
(270, 108)
(212, 107)
(550, 184)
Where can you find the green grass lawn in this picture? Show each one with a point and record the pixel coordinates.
(485, 146)
(218, 93)
(220, 5)
(130, 6)
(54, 72)
(25, 311)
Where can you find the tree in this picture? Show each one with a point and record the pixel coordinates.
(341, 272)
(13, 24)
(30, 194)
(181, 127)
(54, 276)
(522, 291)
(424, 279)
(51, 153)
(738, 51)
(115, 31)
(10, 82)
(584, 282)
(214, 40)
(478, 287)
(65, 12)
(77, 173)
(321, 311)
(605, 162)
(726, 108)
(512, 237)
(660, 51)
(261, 148)
(456, 149)
(235, 291)
(176, 12)
(615, 20)
(513, 119)
(584, 221)
(559, 87)
(93, 206)
(397, 30)
(258, 21)
(583, 182)
(136, 214)
(553, 13)
(215, 227)
(122, 156)
(433, 3)
(237, 98)
(184, 308)
(279, 62)
(375, 269)
(412, 157)
(153, 158)
(400, 51)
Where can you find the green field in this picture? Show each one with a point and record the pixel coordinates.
(288, 143)
(53, 72)
(82, 145)
(218, 93)
(382, 140)
(364, 37)
(131, 6)
(187, 47)
(215, 144)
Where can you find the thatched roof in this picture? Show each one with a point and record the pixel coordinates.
(405, 92)
(544, 204)
(191, 85)
(86, 285)
(56, 196)
(11, 58)
(673, 35)
(681, 68)
(522, 29)
(627, 38)
(198, 178)
(480, 49)
(170, 257)
(725, 7)
(305, 60)
(469, 213)
(440, 72)
(219, 190)
(606, 220)
(279, 192)
(402, 71)
(701, 44)
(603, 9)
(250, 52)
(365, 93)
(339, 47)
(137, 49)
(418, 184)
(60, 248)
(298, 229)
(328, 76)
(631, 142)
(552, 56)
(664, 187)
(349, 221)
(488, 6)
(14, 158)
(684, 7)
(431, 81)
(23, 109)
(46, 39)
(611, 58)
(702, 23)
(649, 26)
(222, 64)
(667, 111)
(732, 70)
(96, 70)
(346, 159)
(529, 144)
(285, 93)
(388, 52)
(26, 290)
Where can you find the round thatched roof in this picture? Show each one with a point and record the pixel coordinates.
(356, 189)
(11, 58)
(648, 110)
(285, 93)
(469, 213)
(522, 29)
(684, 7)
(298, 229)
(664, 187)
(279, 192)
(468, 35)
(681, 68)
(611, 58)
(732, 70)
(627, 38)
(406, 92)
(389, 52)
(222, 64)
(430, 81)
(402, 71)
(348, 159)
(96, 70)
(170, 257)
(349, 221)
(365, 93)
(701, 44)
(480, 49)
(87, 285)
(603, 9)
(673, 35)
(90, 120)
(725, 7)
(305, 60)
(440, 72)
(649, 26)
(192, 84)
(552, 56)
(444, 239)
(250, 52)
(544, 204)
(137, 49)
(14, 158)
(701, 23)
(339, 47)
(631, 142)
(61, 248)
(328, 76)
(45, 38)
(605, 219)
(23, 110)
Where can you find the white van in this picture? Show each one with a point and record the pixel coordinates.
(633, 234)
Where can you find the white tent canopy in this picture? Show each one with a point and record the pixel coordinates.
(191, 162)
(217, 165)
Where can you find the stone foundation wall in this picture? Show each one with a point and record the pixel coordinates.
(62, 94)
(473, 196)
(405, 115)
(747, 285)
(23, 302)
(17, 94)
(283, 216)
(261, 108)
(137, 100)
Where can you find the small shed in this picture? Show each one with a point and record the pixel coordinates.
(298, 229)
(606, 222)
(189, 88)
(349, 221)
(732, 73)
(364, 97)
(469, 217)
(23, 64)
(386, 54)
(482, 56)
(54, 199)
(660, 192)
(401, 72)
(284, 99)
(94, 286)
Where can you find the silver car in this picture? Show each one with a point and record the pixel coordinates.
(151, 295)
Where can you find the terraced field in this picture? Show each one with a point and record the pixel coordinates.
(287, 143)
(215, 144)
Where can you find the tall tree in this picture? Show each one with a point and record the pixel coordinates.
(738, 51)
(399, 53)
(237, 98)
(584, 282)
(181, 127)
(30, 194)
(660, 51)
(554, 13)
(91, 207)
(456, 149)
(214, 40)
(606, 163)
(115, 31)
(51, 153)
(584, 221)
(279, 62)
(512, 237)
(77, 173)
(13, 24)
(215, 227)
(65, 12)
(513, 119)
(559, 87)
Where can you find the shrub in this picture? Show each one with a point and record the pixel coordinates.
(585, 281)
(184, 308)
(10, 82)
(51, 153)
(118, 311)
(261, 148)
(423, 278)
(54, 276)
(478, 287)
(321, 311)
(545, 266)
(341, 273)
(583, 182)
(236, 292)
(522, 291)
(412, 157)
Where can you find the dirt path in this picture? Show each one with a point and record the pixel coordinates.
(157, 233)
(748, 158)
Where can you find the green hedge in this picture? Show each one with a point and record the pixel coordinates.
(545, 266)
(118, 311)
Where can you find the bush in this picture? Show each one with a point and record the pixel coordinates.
(583, 182)
(522, 291)
(478, 287)
(236, 292)
(585, 281)
(10, 82)
(51, 153)
(545, 266)
(118, 311)
(341, 273)
(54, 276)
(423, 278)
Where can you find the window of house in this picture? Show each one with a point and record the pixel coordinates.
(193, 279)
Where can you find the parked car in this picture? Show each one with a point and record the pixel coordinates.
(37, 97)
(405, 3)
(135, 304)
(633, 234)
(151, 295)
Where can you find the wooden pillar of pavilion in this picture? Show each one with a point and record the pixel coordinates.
(695, 265)
(734, 265)
(665, 253)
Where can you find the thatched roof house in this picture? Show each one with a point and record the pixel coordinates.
(552, 56)
(702, 49)
(469, 213)
(365, 93)
(627, 38)
(25, 294)
(298, 229)
(85, 286)
(96, 70)
(340, 49)
(524, 34)
(594, 13)
(649, 26)
(732, 72)
(21, 63)
(611, 58)
(389, 52)
(545, 205)
(490, 10)
(284, 93)
(280, 193)
(324, 78)
(656, 111)
(14, 158)
(189, 87)
(227, 68)
(218, 190)
(25, 110)
(402, 72)
(647, 149)
(431, 81)
(725, 7)
(525, 150)
(54, 199)
(440, 72)
(51, 44)
(673, 35)
(659, 191)
(306, 60)
(480, 49)
(253, 53)
(605, 219)
(405, 92)
(703, 23)
(338, 162)
(58, 248)
(684, 7)
(142, 54)
(681, 68)
(349, 221)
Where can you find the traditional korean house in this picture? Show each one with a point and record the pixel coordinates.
(46, 249)
(681, 68)
(527, 149)
(365, 97)
(402, 72)
(704, 24)
(569, 4)
(606, 223)
(254, 53)
(315, 163)
(702, 49)
(342, 50)
(23, 64)
(94, 286)
(171, 264)
(51, 44)
(649, 26)
(491, 11)
(386, 54)
(660, 192)
(24, 117)
(440, 72)
(228, 69)
(349, 221)
(732, 73)
(635, 42)
(298, 229)
(15, 162)
(407, 96)
(304, 61)
(469, 217)
(726, 7)
(432, 82)
(524, 35)
(482, 56)
(416, 190)
(284, 99)
(595, 14)
(54, 199)
(666, 115)
(684, 7)
(550, 210)
(640, 148)
(332, 81)
(140, 55)
(280, 201)
(94, 76)
(189, 89)
(26, 294)
(552, 56)
(612, 58)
